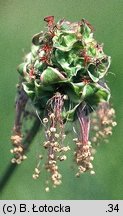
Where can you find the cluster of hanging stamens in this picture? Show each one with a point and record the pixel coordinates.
(17, 138)
(54, 130)
(18, 150)
(102, 123)
(83, 156)
(83, 153)
(55, 136)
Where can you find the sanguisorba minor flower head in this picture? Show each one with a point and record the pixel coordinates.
(64, 78)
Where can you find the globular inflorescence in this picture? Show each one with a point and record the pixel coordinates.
(63, 77)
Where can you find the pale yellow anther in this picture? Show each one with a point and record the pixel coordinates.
(90, 166)
(37, 171)
(13, 160)
(20, 149)
(24, 157)
(18, 161)
(92, 172)
(47, 189)
(63, 136)
(63, 157)
(45, 120)
(12, 151)
(65, 97)
(56, 135)
(34, 176)
(114, 124)
(53, 129)
(52, 115)
(75, 139)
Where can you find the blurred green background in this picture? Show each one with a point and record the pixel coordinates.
(19, 21)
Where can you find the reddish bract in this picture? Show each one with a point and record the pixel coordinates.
(52, 34)
(88, 24)
(49, 20)
(44, 59)
(86, 81)
(32, 74)
(87, 58)
(46, 48)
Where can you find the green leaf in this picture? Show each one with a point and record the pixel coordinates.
(64, 41)
(87, 31)
(29, 88)
(70, 114)
(69, 27)
(36, 38)
(73, 90)
(65, 26)
(41, 89)
(69, 61)
(42, 93)
(40, 66)
(88, 90)
(29, 58)
(91, 51)
(100, 94)
(51, 76)
(93, 73)
(103, 67)
(34, 50)
(21, 68)
(98, 72)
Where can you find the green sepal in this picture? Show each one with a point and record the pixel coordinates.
(92, 72)
(29, 58)
(21, 68)
(29, 88)
(88, 90)
(64, 41)
(74, 92)
(104, 66)
(69, 61)
(36, 38)
(100, 94)
(34, 50)
(42, 90)
(51, 76)
(98, 72)
(40, 66)
(87, 31)
(70, 114)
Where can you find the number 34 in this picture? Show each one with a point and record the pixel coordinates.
(113, 208)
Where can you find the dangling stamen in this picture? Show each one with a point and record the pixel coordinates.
(55, 136)
(102, 122)
(16, 138)
(83, 152)
(84, 120)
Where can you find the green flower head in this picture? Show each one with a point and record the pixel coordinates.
(63, 77)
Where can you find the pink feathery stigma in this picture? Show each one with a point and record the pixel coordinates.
(84, 120)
